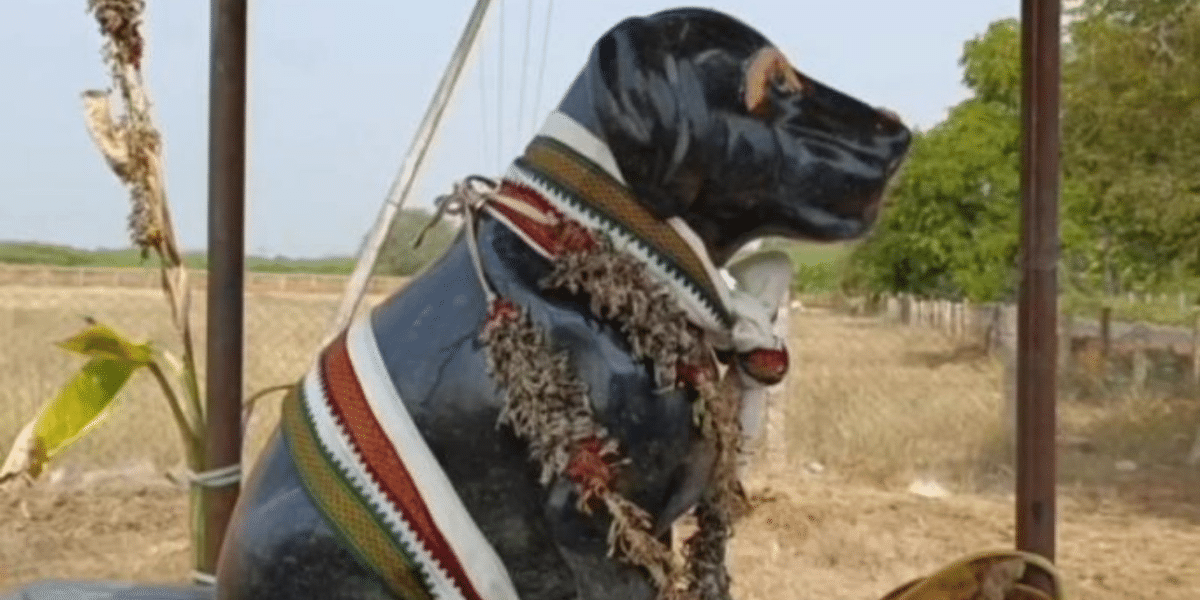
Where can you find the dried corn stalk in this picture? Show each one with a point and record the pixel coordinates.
(122, 126)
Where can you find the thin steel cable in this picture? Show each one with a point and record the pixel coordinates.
(537, 106)
(524, 68)
(500, 93)
(485, 146)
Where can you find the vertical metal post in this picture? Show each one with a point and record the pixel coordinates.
(1037, 315)
(226, 247)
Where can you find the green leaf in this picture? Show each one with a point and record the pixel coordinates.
(101, 341)
(82, 403)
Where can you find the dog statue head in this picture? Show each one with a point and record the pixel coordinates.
(708, 122)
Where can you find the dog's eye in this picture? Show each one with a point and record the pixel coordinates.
(780, 82)
(786, 81)
(767, 70)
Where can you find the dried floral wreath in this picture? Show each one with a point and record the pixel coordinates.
(547, 405)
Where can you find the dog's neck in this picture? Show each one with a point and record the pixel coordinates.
(574, 135)
(568, 175)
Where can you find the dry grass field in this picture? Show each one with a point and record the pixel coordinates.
(886, 459)
(282, 332)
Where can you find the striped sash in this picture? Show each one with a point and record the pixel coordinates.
(369, 471)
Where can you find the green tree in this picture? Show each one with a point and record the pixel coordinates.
(1132, 137)
(1130, 209)
(398, 257)
(951, 227)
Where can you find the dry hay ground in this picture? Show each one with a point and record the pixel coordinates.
(870, 409)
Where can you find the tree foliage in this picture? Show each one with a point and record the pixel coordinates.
(1130, 208)
(950, 227)
(398, 257)
(1132, 137)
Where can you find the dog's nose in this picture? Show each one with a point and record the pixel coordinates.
(889, 121)
(897, 136)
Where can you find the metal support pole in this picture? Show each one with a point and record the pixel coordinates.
(1037, 315)
(402, 186)
(226, 248)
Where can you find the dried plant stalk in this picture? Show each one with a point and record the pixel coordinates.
(125, 134)
(121, 125)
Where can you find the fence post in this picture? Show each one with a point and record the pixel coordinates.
(1193, 457)
(1008, 408)
(1105, 333)
(955, 311)
(1065, 342)
(968, 317)
(993, 329)
(1196, 348)
(957, 319)
(971, 323)
(961, 321)
(1141, 367)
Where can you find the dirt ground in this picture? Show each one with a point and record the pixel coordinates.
(819, 529)
(809, 537)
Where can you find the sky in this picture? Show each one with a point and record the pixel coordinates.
(335, 96)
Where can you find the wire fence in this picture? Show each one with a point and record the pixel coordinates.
(1146, 356)
(908, 396)
(113, 277)
(1099, 356)
(285, 316)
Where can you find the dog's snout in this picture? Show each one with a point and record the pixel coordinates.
(889, 121)
(898, 137)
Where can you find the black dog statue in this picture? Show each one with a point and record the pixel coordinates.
(399, 470)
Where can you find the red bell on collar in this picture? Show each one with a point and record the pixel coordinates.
(765, 365)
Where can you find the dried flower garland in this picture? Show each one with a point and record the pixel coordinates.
(547, 405)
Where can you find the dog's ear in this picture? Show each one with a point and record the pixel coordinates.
(652, 104)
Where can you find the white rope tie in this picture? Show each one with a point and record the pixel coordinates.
(465, 201)
(217, 478)
(205, 579)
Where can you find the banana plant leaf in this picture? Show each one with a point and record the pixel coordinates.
(83, 401)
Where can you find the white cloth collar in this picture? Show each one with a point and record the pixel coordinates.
(753, 316)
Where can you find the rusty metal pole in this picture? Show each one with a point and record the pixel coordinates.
(1037, 316)
(226, 249)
